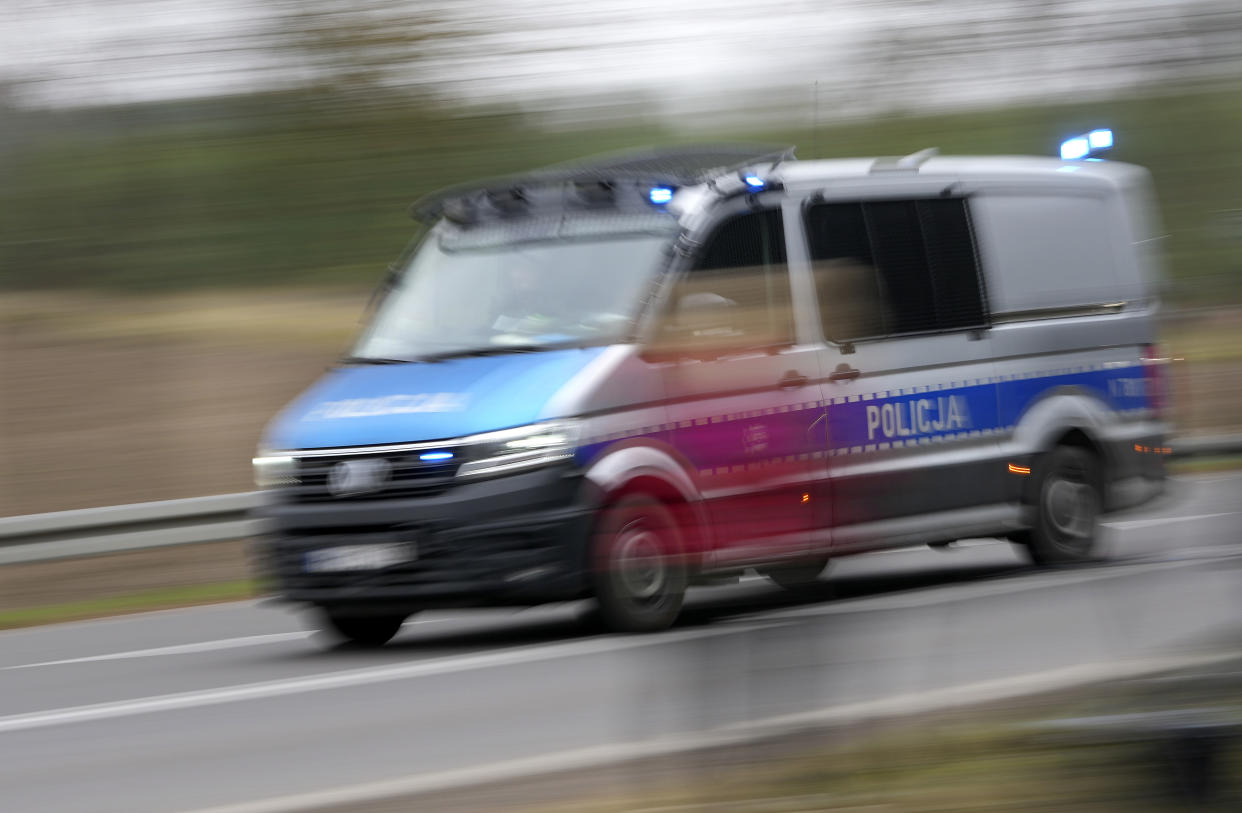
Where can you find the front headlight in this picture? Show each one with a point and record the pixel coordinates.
(271, 471)
(524, 447)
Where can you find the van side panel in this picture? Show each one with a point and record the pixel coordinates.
(1046, 250)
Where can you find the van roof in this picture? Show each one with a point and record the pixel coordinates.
(998, 167)
(699, 170)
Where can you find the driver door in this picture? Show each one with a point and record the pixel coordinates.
(744, 400)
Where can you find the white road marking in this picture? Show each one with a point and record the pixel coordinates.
(204, 646)
(1207, 551)
(177, 649)
(1148, 523)
(987, 691)
(1207, 478)
(355, 677)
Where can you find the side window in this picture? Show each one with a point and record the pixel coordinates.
(736, 295)
(951, 261)
(886, 268)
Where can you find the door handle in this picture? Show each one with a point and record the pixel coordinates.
(792, 380)
(844, 372)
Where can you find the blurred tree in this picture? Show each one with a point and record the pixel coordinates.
(916, 52)
(357, 52)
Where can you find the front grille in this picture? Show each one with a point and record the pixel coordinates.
(443, 559)
(407, 476)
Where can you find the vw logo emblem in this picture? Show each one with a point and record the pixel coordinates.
(351, 477)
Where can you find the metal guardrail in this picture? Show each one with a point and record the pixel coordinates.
(119, 528)
(1206, 445)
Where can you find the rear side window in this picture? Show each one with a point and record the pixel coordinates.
(1050, 250)
(886, 268)
(736, 295)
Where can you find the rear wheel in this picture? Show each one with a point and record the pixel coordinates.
(362, 630)
(1068, 501)
(639, 571)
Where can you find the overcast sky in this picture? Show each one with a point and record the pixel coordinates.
(92, 51)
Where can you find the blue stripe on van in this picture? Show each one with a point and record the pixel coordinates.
(965, 410)
(857, 424)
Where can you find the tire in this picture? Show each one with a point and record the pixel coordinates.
(798, 575)
(368, 631)
(1068, 500)
(638, 566)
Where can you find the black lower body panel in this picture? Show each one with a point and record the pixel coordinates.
(516, 540)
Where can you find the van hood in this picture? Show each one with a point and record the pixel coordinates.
(405, 403)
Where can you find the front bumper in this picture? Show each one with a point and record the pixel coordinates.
(515, 540)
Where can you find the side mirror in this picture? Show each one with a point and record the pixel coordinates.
(699, 325)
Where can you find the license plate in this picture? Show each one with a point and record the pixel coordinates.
(357, 557)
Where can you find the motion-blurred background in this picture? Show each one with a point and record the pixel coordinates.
(196, 196)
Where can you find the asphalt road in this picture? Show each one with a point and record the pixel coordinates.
(237, 706)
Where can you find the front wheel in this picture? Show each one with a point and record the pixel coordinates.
(638, 567)
(1068, 501)
(362, 630)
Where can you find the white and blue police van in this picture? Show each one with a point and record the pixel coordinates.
(617, 379)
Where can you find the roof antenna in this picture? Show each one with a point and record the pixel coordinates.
(815, 123)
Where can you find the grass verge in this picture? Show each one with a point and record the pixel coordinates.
(161, 599)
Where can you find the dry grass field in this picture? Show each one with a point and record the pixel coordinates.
(109, 400)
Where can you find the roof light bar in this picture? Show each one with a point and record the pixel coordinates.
(1100, 139)
(1075, 148)
(596, 193)
(1082, 146)
(508, 202)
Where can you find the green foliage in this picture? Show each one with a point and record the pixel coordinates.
(166, 598)
(276, 189)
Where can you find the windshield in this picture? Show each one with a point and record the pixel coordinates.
(497, 289)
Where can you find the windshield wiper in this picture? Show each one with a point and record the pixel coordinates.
(375, 360)
(495, 350)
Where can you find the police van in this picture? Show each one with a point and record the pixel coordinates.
(616, 379)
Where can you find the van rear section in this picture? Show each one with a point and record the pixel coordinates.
(1072, 285)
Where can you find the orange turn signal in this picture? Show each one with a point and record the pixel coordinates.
(1014, 468)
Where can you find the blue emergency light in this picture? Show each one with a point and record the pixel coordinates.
(754, 182)
(1082, 146)
(660, 195)
(435, 457)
